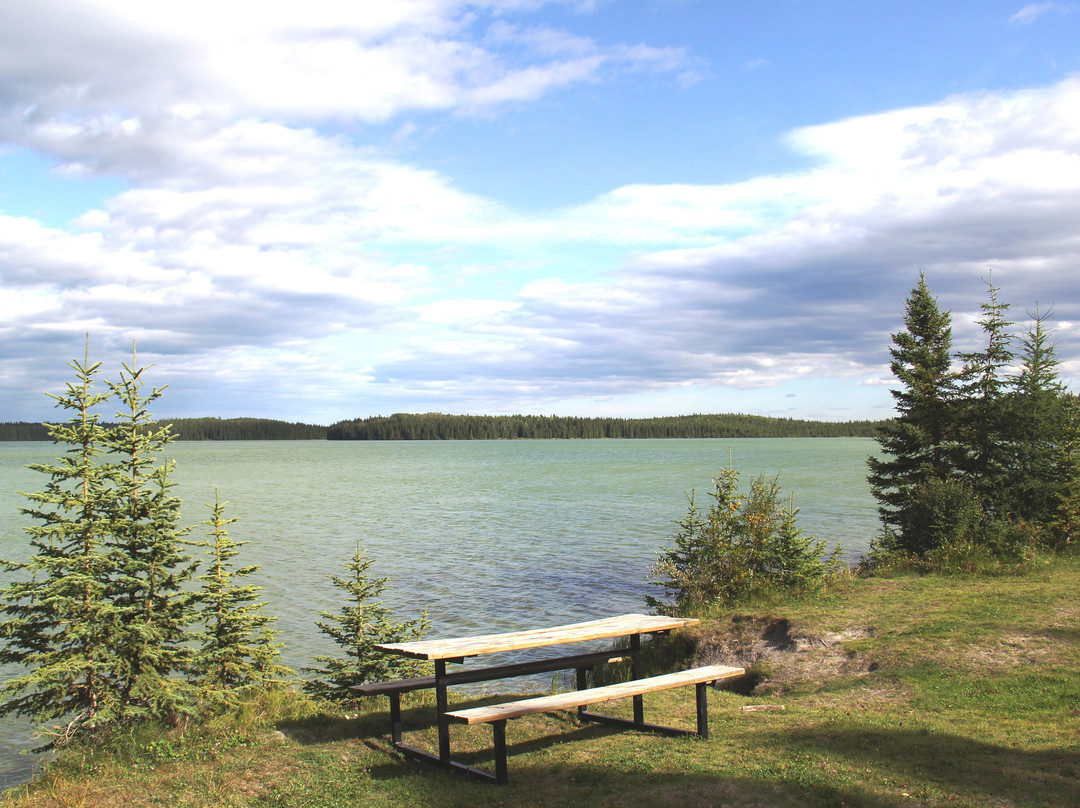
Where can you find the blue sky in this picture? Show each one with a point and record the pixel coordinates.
(332, 209)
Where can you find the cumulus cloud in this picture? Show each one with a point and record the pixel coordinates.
(256, 255)
(977, 184)
(103, 69)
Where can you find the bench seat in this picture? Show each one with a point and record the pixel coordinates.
(580, 698)
(498, 714)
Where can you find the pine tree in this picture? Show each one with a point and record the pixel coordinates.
(363, 623)
(237, 647)
(59, 620)
(919, 445)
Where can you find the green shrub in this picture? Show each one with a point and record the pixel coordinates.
(744, 546)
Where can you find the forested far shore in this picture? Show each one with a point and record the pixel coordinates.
(440, 426)
(196, 429)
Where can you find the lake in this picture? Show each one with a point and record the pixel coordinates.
(486, 535)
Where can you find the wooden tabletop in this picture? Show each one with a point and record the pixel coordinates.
(621, 626)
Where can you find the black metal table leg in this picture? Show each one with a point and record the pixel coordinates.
(703, 710)
(499, 729)
(582, 684)
(441, 707)
(395, 718)
(639, 673)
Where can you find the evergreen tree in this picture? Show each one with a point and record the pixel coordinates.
(59, 620)
(149, 560)
(984, 410)
(98, 623)
(919, 444)
(690, 572)
(1065, 524)
(363, 623)
(745, 545)
(1035, 428)
(237, 647)
(794, 558)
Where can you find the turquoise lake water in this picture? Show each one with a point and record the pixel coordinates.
(486, 535)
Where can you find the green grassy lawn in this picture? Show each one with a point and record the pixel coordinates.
(899, 691)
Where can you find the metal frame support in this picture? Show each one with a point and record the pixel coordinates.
(395, 718)
(639, 673)
(499, 730)
(702, 710)
(441, 707)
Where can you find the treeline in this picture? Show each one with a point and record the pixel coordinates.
(440, 426)
(243, 429)
(195, 429)
(23, 430)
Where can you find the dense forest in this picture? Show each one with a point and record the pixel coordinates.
(244, 429)
(439, 426)
(196, 429)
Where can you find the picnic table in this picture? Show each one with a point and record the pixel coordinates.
(446, 651)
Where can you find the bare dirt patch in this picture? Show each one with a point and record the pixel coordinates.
(779, 655)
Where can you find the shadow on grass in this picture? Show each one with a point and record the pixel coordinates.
(338, 726)
(877, 766)
(951, 763)
(373, 727)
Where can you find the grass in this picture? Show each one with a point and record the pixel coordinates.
(897, 691)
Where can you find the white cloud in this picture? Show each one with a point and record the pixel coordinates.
(254, 247)
(756, 64)
(328, 59)
(1031, 12)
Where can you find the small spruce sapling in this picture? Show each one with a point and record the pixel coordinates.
(237, 646)
(363, 623)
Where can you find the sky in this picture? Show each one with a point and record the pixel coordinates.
(336, 209)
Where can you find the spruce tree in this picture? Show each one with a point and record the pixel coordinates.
(1065, 523)
(149, 559)
(795, 558)
(744, 546)
(237, 647)
(362, 623)
(984, 410)
(685, 572)
(919, 445)
(1035, 428)
(59, 621)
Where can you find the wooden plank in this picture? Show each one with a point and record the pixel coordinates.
(609, 627)
(595, 695)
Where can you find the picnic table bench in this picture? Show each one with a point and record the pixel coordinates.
(442, 652)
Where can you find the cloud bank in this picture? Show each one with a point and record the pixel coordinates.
(271, 260)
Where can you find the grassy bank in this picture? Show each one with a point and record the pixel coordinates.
(902, 691)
